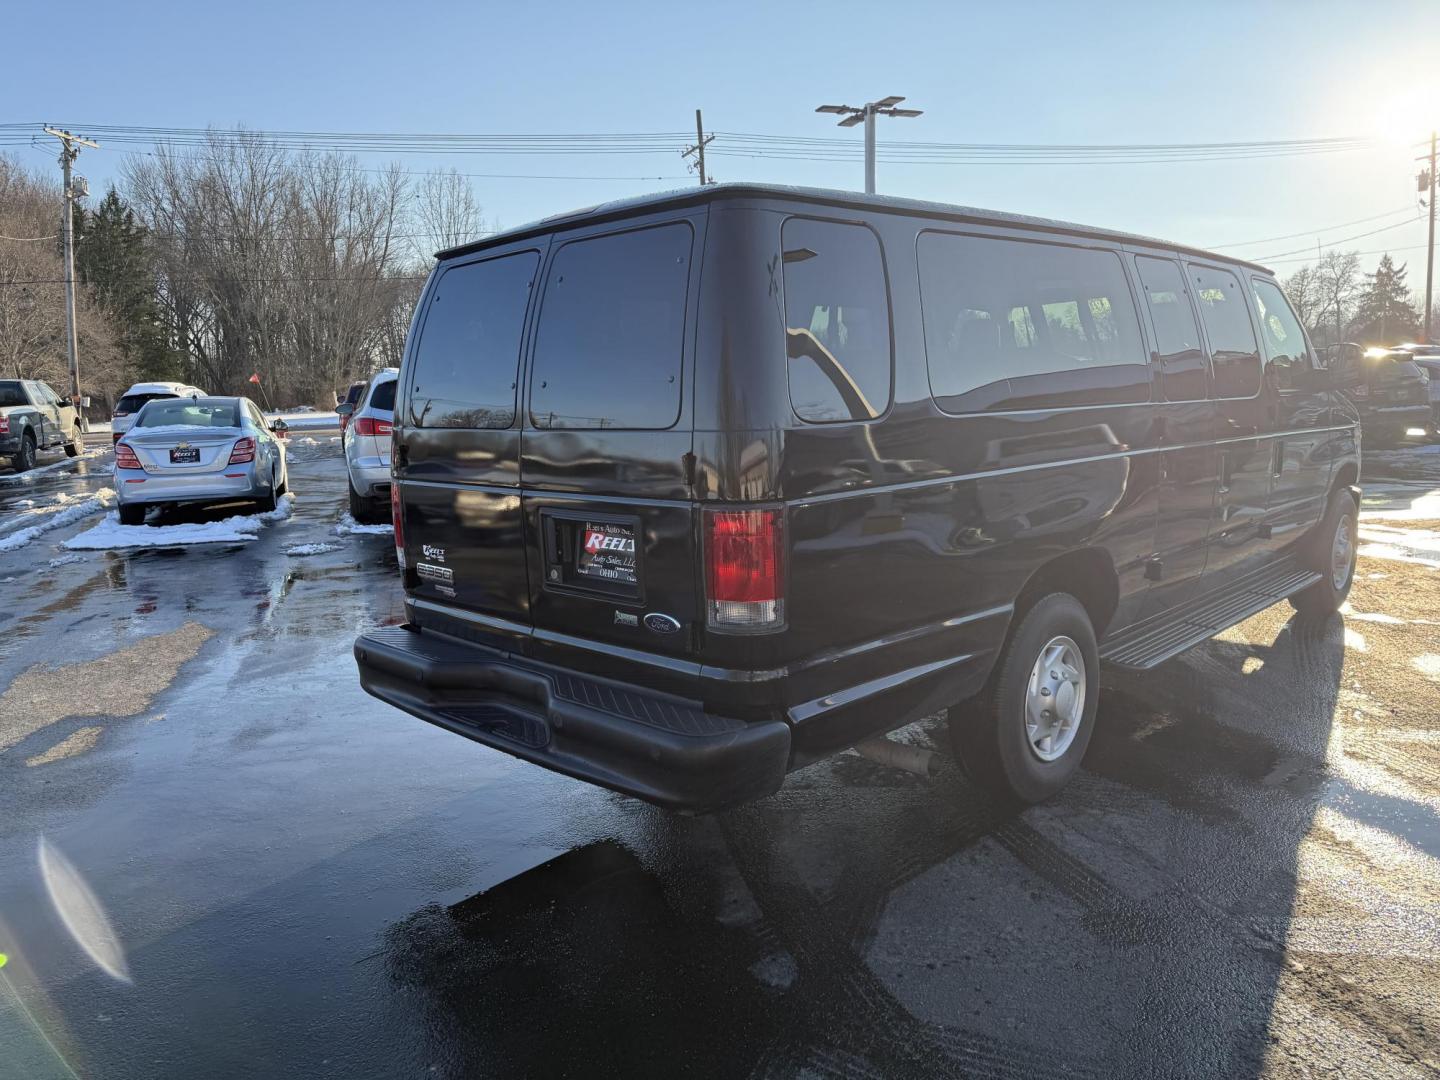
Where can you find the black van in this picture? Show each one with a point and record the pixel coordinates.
(693, 490)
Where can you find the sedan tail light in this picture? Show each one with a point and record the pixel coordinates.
(125, 457)
(244, 451)
(744, 569)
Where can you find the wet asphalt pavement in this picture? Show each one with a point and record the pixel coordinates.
(296, 880)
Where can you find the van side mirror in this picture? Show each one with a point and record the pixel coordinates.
(1343, 365)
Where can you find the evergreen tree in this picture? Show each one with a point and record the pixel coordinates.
(1385, 314)
(112, 256)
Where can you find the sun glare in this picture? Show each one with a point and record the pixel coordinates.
(1406, 118)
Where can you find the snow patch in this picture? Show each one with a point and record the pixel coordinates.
(311, 549)
(1428, 665)
(350, 527)
(101, 500)
(1390, 551)
(64, 560)
(241, 528)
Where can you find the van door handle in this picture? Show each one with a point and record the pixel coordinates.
(1224, 472)
(1277, 458)
(399, 454)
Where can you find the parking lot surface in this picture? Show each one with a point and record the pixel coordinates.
(218, 857)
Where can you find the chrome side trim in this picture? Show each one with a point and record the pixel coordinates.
(810, 710)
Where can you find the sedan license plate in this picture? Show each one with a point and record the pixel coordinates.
(185, 455)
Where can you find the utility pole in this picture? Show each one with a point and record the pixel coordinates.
(69, 151)
(865, 114)
(701, 141)
(1427, 184)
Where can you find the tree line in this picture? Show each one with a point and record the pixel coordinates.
(1337, 302)
(212, 264)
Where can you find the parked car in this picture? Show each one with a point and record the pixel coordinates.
(693, 490)
(33, 418)
(199, 450)
(134, 399)
(351, 398)
(1394, 399)
(1427, 359)
(367, 450)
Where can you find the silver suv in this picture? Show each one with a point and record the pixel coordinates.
(367, 448)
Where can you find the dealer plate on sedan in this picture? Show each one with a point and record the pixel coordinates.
(185, 455)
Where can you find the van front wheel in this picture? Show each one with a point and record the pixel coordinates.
(1025, 735)
(1332, 550)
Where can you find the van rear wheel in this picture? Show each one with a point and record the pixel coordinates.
(1332, 551)
(1026, 734)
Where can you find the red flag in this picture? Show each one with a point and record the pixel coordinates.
(255, 379)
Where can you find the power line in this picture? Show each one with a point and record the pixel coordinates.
(1310, 232)
(1342, 240)
(1377, 251)
(30, 239)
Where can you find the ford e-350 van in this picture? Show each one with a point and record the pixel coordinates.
(693, 490)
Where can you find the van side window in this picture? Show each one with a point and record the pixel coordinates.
(467, 360)
(1234, 354)
(1177, 335)
(611, 337)
(837, 321)
(1285, 343)
(1013, 324)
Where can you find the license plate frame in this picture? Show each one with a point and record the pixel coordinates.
(185, 455)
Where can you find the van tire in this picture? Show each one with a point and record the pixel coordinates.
(1326, 596)
(990, 733)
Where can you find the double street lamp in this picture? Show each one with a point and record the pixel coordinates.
(865, 114)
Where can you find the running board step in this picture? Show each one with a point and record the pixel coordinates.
(1172, 632)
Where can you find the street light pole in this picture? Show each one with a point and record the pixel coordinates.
(865, 114)
(69, 151)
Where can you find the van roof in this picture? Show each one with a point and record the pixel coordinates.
(887, 203)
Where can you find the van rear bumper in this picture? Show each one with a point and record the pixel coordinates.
(659, 748)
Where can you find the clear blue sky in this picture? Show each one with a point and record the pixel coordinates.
(1002, 72)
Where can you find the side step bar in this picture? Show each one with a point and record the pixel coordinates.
(1172, 632)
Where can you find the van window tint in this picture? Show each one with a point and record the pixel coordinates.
(1012, 324)
(1177, 335)
(611, 338)
(383, 396)
(1234, 354)
(1285, 343)
(469, 351)
(837, 321)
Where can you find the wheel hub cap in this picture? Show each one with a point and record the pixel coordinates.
(1342, 552)
(1055, 698)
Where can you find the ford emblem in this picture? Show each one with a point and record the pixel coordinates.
(661, 624)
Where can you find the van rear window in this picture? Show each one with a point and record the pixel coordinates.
(1013, 324)
(611, 336)
(467, 361)
(837, 321)
(131, 403)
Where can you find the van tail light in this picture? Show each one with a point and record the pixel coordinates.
(244, 451)
(397, 517)
(4, 425)
(368, 425)
(125, 457)
(744, 569)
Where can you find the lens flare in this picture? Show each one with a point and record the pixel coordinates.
(79, 909)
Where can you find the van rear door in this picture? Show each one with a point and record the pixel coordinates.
(610, 525)
(457, 452)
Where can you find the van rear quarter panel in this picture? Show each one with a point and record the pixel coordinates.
(910, 536)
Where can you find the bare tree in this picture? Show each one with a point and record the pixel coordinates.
(447, 213)
(1303, 290)
(1337, 288)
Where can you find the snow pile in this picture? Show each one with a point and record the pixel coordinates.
(64, 560)
(67, 515)
(238, 529)
(350, 527)
(311, 549)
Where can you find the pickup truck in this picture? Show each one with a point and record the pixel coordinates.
(33, 418)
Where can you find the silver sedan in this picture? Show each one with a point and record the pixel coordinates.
(199, 450)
